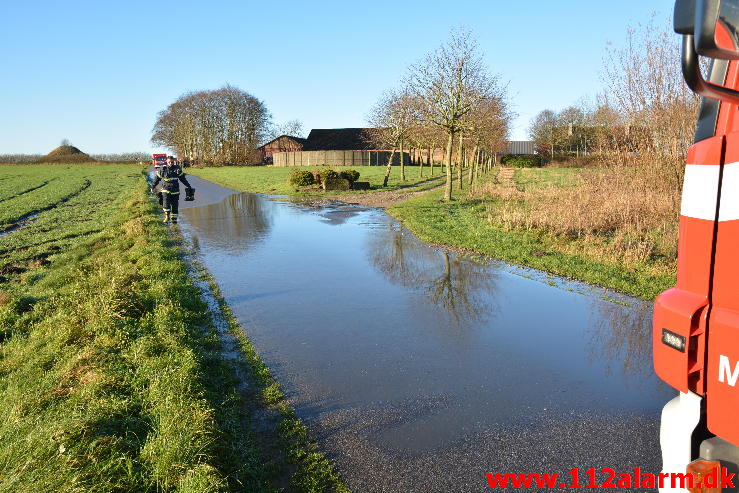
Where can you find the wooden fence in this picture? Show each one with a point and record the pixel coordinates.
(336, 158)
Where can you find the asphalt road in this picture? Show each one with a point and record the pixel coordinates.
(544, 377)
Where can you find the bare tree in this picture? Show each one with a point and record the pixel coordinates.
(395, 115)
(293, 128)
(545, 133)
(223, 126)
(450, 83)
(646, 89)
(487, 130)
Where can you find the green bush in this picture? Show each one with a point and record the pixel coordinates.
(300, 178)
(522, 160)
(349, 174)
(328, 174)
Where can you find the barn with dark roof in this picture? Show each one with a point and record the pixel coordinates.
(348, 147)
(283, 143)
(338, 147)
(343, 139)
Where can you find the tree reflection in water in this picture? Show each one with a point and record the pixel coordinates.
(461, 287)
(617, 336)
(622, 335)
(236, 224)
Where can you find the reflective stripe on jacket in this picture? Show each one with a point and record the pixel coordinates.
(170, 178)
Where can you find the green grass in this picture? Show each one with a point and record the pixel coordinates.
(529, 178)
(463, 224)
(273, 180)
(111, 374)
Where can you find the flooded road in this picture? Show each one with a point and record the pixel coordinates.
(419, 369)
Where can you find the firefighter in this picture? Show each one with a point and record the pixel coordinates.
(170, 176)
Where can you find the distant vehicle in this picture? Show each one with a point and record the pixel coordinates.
(158, 160)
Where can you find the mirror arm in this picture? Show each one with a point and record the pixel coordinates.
(694, 79)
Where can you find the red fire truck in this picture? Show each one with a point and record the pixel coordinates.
(696, 323)
(158, 160)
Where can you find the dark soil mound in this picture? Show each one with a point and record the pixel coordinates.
(66, 154)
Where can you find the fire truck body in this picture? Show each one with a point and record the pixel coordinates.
(158, 160)
(696, 323)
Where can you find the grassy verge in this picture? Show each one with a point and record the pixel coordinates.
(471, 223)
(311, 471)
(112, 376)
(263, 179)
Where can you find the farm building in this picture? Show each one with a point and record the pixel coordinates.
(283, 143)
(338, 147)
(350, 147)
(520, 147)
(343, 139)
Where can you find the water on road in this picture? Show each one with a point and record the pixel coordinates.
(420, 369)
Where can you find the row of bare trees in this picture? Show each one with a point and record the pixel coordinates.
(639, 130)
(645, 115)
(447, 99)
(222, 126)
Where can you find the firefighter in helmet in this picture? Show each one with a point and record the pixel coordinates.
(170, 177)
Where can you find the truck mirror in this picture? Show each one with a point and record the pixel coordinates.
(707, 14)
(696, 20)
(684, 17)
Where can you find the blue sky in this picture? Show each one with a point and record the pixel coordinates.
(97, 73)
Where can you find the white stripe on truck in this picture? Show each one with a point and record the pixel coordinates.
(700, 190)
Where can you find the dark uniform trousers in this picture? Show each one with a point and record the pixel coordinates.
(171, 203)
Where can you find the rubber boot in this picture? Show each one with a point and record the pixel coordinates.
(166, 217)
(174, 218)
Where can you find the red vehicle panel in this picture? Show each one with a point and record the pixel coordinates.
(158, 159)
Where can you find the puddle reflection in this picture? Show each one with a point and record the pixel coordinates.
(459, 286)
(234, 225)
(350, 310)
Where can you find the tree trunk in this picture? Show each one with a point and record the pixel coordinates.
(419, 158)
(389, 168)
(460, 160)
(402, 162)
(448, 186)
(430, 162)
(473, 166)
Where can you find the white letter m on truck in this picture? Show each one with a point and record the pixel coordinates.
(724, 369)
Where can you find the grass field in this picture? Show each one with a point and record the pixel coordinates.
(479, 222)
(462, 224)
(111, 374)
(528, 178)
(273, 180)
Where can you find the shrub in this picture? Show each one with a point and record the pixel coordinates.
(300, 178)
(328, 174)
(349, 174)
(580, 161)
(523, 160)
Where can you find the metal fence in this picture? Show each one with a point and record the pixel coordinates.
(336, 158)
(520, 147)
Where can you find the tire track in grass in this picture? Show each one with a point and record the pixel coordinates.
(28, 190)
(15, 224)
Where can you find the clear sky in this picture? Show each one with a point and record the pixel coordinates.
(98, 72)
